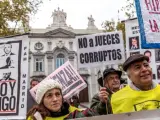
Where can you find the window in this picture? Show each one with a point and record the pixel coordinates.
(60, 60)
(39, 62)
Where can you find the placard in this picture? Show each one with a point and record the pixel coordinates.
(148, 13)
(97, 49)
(68, 77)
(13, 76)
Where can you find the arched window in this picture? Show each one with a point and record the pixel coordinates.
(60, 60)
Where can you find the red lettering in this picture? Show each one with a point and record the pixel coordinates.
(151, 26)
(154, 26)
(153, 5)
(157, 4)
(148, 4)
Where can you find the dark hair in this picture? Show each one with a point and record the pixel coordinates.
(147, 51)
(41, 109)
(74, 97)
(8, 44)
(34, 80)
(134, 38)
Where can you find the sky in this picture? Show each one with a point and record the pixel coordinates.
(78, 12)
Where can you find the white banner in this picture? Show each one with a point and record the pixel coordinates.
(13, 76)
(151, 17)
(71, 81)
(148, 13)
(97, 49)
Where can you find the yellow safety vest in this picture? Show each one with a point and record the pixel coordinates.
(71, 109)
(129, 100)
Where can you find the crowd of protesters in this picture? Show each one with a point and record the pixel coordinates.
(142, 93)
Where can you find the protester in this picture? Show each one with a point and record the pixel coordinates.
(110, 83)
(142, 93)
(30, 100)
(74, 101)
(51, 105)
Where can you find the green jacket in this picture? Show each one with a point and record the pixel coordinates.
(100, 107)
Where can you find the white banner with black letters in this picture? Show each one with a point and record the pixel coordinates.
(13, 76)
(97, 49)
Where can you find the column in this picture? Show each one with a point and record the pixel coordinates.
(49, 46)
(71, 45)
(71, 60)
(50, 59)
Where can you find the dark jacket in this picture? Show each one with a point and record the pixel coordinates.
(30, 101)
(100, 107)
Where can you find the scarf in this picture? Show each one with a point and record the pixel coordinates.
(64, 111)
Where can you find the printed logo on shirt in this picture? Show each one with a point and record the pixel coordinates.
(147, 105)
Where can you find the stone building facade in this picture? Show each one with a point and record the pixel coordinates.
(51, 47)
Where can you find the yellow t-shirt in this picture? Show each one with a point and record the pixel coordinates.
(129, 100)
(71, 109)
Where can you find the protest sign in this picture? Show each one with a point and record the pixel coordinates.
(142, 115)
(71, 81)
(13, 76)
(148, 13)
(97, 49)
(133, 46)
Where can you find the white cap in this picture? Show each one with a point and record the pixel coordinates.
(44, 86)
